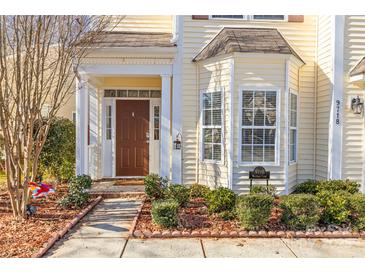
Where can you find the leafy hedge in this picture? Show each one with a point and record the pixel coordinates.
(179, 193)
(165, 213)
(57, 158)
(221, 199)
(199, 191)
(300, 211)
(155, 186)
(260, 189)
(357, 210)
(253, 210)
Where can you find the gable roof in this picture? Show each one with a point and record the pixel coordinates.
(258, 40)
(358, 68)
(136, 39)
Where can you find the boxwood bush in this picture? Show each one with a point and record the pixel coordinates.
(260, 189)
(221, 199)
(155, 186)
(165, 213)
(77, 192)
(338, 186)
(253, 210)
(307, 187)
(179, 193)
(335, 206)
(300, 211)
(199, 191)
(357, 210)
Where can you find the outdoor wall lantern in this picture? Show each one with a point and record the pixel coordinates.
(177, 142)
(356, 105)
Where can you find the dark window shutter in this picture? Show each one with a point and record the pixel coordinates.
(200, 17)
(296, 18)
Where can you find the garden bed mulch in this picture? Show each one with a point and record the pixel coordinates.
(195, 221)
(29, 237)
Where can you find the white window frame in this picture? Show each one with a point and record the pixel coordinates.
(201, 127)
(249, 18)
(277, 127)
(291, 162)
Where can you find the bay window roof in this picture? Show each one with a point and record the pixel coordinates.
(359, 68)
(256, 40)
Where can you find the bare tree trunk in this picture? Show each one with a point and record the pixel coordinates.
(39, 58)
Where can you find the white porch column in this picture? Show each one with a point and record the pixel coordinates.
(165, 143)
(81, 127)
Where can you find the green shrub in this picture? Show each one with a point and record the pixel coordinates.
(199, 191)
(155, 186)
(260, 189)
(357, 209)
(165, 213)
(335, 206)
(227, 215)
(253, 210)
(57, 158)
(300, 211)
(77, 195)
(307, 187)
(179, 193)
(339, 185)
(221, 199)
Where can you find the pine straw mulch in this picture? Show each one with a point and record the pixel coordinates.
(195, 217)
(25, 238)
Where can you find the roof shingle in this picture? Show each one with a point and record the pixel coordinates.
(259, 40)
(136, 39)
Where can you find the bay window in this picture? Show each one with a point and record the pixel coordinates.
(293, 129)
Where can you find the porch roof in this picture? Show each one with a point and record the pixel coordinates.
(358, 68)
(117, 39)
(256, 40)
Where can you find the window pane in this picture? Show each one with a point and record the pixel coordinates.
(144, 93)
(247, 136)
(207, 119)
(207, 135)
(109, 111)
(208, 151)
(228, 16)
(270, 99)
(156, 134)
(270, 136)
(247, 117)
(293, 101)
(268, 17)
(216, 99)
(269, 154)
(293, 136)
(122, 93)
(155, 94)
(259, 99)
(270, 118)
(132, 93)
(207, 100)
(156, 122)
(246, 153)
(247, 99)
(156, 111)
(217, 117)
(217, 152)
(258, 153)
(217, 135)
(293, 119)
(109, 134)
(258, 136)
(259, 117)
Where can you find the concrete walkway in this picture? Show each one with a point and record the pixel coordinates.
(102, 233)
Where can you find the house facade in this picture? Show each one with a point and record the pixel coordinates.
(206, 99)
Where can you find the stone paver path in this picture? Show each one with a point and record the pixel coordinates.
(102, 233)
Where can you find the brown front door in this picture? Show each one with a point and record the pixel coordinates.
(132, 127)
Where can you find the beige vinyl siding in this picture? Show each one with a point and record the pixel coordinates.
(353, 125)
(197, 33)
(144, 23)
(216, 76)
(324, 91)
